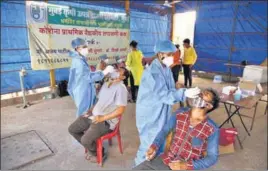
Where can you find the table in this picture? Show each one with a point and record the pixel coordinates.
(230, 65)
(245, 103)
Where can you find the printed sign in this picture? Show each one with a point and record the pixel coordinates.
(52, 27)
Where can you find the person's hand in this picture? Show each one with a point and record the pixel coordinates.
(98, 119)
(191, 66)
(192, 92)
(150, 154)
(178, 165)
(179, 85)
(86, 115)
(109, 69)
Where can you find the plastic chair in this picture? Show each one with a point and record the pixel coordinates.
(109, 136)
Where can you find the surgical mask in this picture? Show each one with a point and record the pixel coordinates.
(168, 61)
(115, 75)
(106, 61)
(84, 52)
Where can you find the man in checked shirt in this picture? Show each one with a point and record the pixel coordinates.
(195, 134)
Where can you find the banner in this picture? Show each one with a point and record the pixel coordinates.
(51, 28)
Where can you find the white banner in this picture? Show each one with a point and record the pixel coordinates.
(51, 29)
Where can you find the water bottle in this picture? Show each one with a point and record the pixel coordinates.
(237, 95)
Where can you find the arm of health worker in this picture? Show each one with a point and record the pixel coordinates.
(161, 136)
(160, 90)
(91, 77)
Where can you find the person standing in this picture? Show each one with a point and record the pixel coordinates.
(156, 96)
(189, 60)
(81, 80)
(176, 66)
(134, 64)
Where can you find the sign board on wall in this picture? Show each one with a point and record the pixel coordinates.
(51, 28)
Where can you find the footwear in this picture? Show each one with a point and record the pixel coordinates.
(93, 159)
(88, 156)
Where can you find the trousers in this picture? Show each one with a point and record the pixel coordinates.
(86, 132)
(187, 71)
(155, 164)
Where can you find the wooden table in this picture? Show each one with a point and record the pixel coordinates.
(245, 103)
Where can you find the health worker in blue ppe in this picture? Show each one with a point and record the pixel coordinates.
(81, 80)
(157, 94)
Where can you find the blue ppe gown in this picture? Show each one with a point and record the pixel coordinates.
(81, 85)
(157, 94)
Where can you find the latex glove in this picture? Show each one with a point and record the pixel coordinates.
(192, 92)
(109, 69)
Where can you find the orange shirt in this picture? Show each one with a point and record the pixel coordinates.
(176, 57)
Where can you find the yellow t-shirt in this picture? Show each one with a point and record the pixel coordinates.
(189, 56)
(134, 63)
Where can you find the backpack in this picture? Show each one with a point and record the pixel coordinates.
(62, 88)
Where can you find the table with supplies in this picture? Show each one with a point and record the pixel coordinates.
(249, 102)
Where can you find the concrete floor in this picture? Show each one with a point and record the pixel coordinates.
(52, 118)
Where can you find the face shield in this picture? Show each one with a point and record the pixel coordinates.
(198, 102)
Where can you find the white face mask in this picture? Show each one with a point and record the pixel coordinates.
(84, 52)
(106, 61)
(115, 75)
(168, 61)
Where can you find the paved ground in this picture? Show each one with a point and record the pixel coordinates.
(52, 117)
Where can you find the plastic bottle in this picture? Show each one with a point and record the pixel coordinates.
(237, 95)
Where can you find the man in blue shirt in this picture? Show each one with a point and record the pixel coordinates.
(195, 134)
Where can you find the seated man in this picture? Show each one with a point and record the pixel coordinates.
(194, 135)
(104, 116)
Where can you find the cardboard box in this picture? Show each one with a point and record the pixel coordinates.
(229, 149)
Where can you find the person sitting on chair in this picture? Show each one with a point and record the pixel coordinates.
(103, 117)
(195, 134)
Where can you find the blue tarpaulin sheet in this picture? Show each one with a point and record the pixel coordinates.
(225, 32)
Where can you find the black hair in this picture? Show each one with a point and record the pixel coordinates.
(126, 73)
(133, 43)
(186, 41)
(215, 99)
(177, 46)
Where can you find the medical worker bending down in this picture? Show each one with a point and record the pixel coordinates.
(156, 96)
(81, 79)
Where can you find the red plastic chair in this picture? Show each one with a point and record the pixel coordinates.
(109, 136)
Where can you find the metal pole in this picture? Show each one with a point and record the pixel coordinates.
(172, 21)
(232, 39)
(22, 73)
